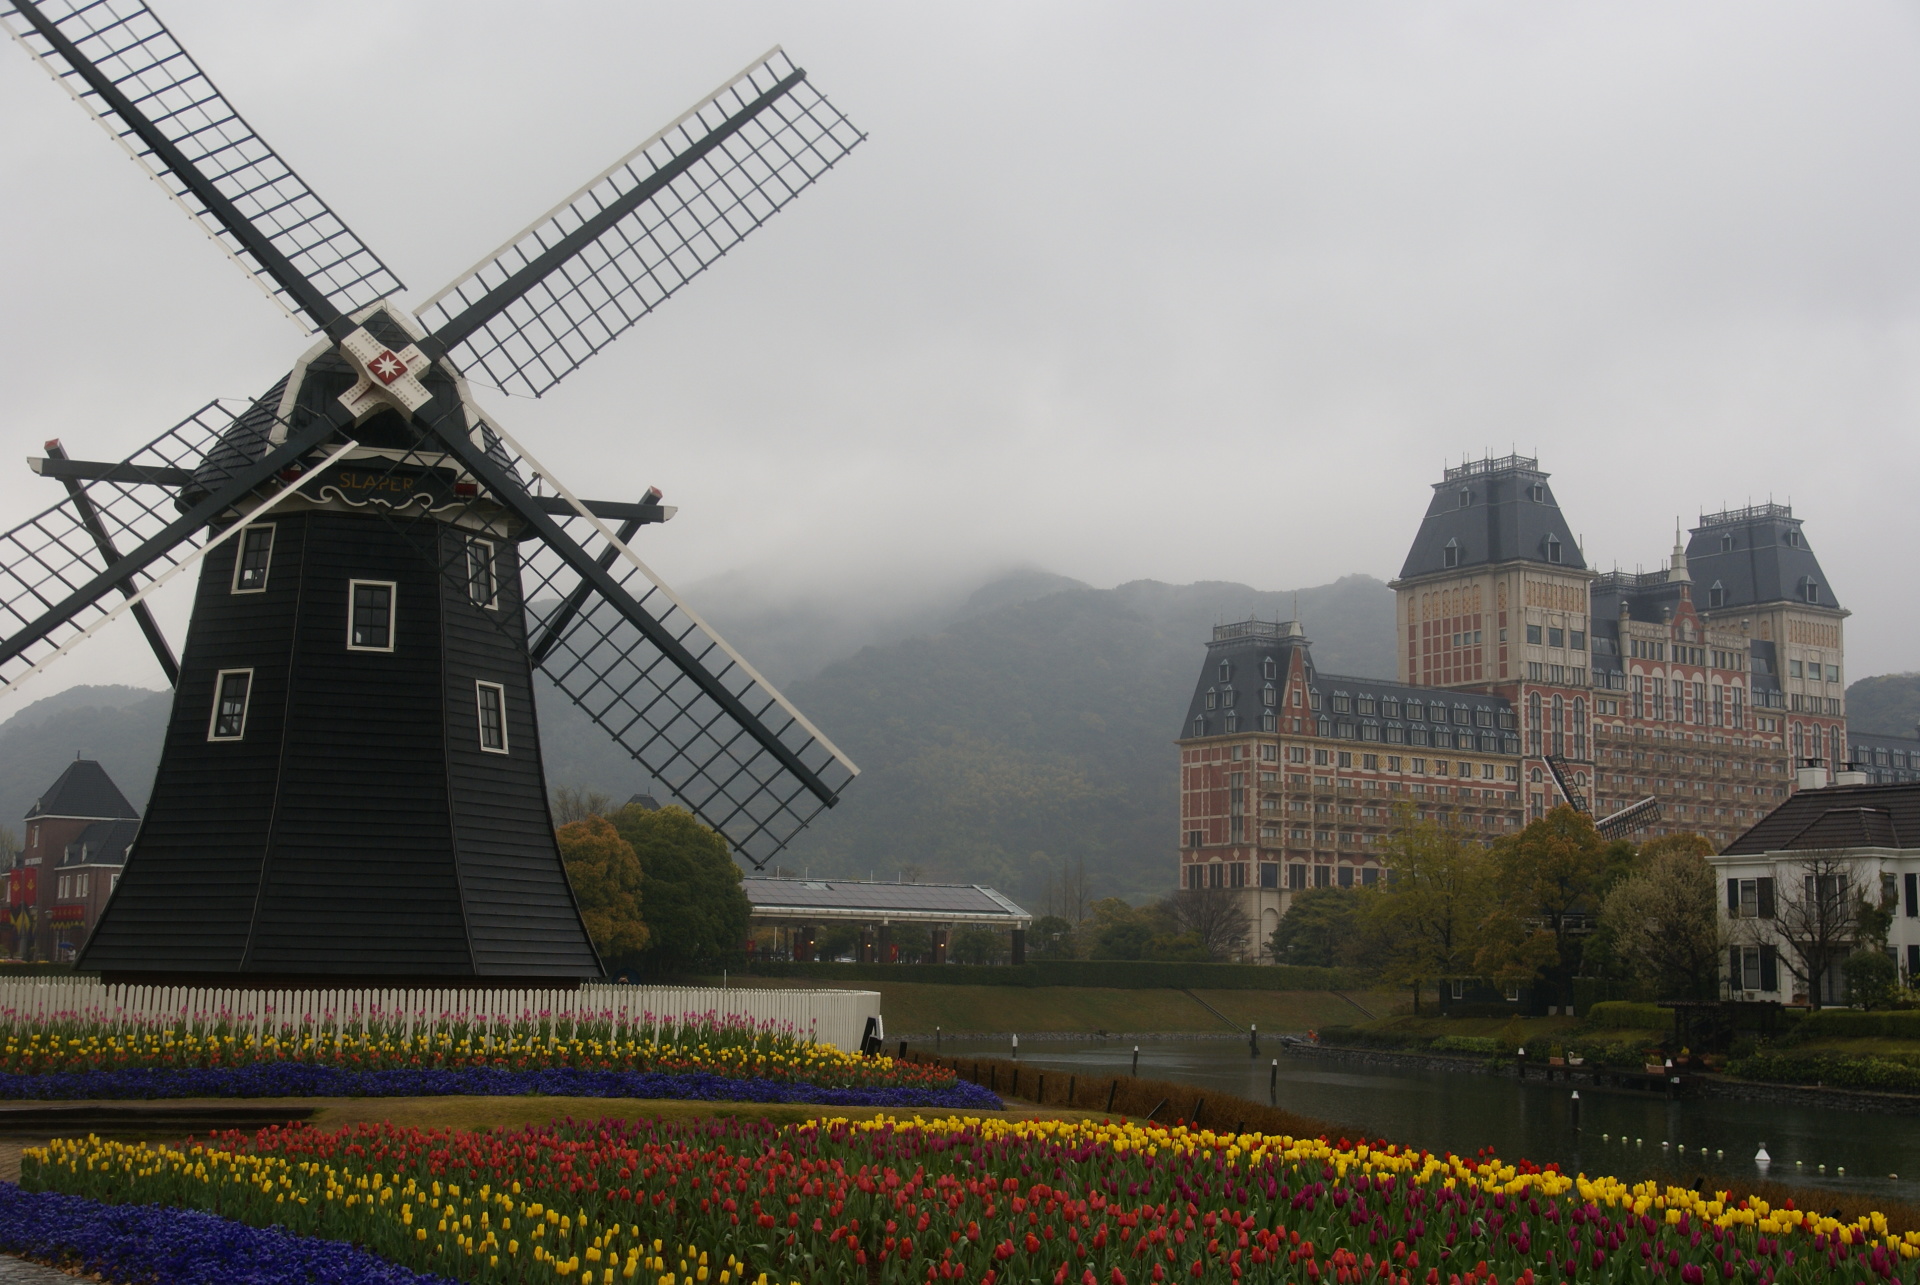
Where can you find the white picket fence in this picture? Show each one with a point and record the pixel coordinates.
(831, 1017)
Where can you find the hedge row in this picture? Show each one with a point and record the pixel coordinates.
(1108, 973)
(1883, 1074)
(1846, 1023)
(1626, 1015)
(1125, 1095)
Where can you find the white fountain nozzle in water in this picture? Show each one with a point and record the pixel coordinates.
(1761, 1157)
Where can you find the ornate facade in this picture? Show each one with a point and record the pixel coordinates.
(1703, 685)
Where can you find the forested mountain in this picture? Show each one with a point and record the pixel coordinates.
(1889, 704)
(121, 727)
(999, 732)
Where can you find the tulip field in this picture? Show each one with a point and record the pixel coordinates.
(982, 1200)
(698, 1056)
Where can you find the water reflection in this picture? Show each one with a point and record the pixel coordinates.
(1443, 1110)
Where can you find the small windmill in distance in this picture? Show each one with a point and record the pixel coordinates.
(351, 787)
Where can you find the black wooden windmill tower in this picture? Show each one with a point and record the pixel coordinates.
(351, 787)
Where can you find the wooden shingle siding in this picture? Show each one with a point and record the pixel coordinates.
(358, 828)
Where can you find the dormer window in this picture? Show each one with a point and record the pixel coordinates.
(1226, 697)
(1793, 537)
(1226, 671)
(1213, 699)
(1270, 669)
(1450, 556)
(1466, 497)
(1716, 594)
(1810, 590)
(1233, 721)
(1553, 548)
(1538, 492)
(1269, 695)
(1199, 726)
(1726, 544)
(1416, 711)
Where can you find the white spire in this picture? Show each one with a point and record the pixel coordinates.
(1677, 571)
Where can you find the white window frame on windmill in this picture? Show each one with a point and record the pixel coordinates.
(219, 695)
(481, 690)
(393, 611)
(240, 557)
(483, 573)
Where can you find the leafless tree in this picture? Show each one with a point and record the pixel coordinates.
(9, 847)
(1069, 891)
(571, 803)
(1816, 918)
(1215, 916)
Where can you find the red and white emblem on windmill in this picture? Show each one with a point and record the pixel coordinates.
(387, 378)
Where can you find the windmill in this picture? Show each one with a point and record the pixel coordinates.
(351, 784)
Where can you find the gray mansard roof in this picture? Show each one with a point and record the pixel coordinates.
(1231, 698)
(1491, 511)
(1754, 555)
(83, 790)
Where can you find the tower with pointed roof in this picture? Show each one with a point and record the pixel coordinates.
(77, 835)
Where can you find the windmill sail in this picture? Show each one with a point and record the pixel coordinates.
(534, 310)
(56, 553)
(123, 65)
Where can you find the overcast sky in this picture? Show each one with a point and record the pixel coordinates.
(1193, 291)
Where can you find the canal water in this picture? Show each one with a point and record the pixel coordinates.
(1621, 1130)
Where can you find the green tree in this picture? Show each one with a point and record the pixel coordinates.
(1320, 927)
(606, 878)
(1051, 937)
(1429, 914)
(1116, 930)
(696, 909)
(1664, 921)
(977, 946)
(1177, 948)
(1872, 979)
(1549, 873)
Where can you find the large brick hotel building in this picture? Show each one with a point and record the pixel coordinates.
(1702, 685)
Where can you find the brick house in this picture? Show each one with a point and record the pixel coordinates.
(77, 836)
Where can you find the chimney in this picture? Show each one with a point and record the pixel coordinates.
(1849, 775)
(1811, 775)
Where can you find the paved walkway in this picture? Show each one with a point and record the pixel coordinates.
(18, 1271)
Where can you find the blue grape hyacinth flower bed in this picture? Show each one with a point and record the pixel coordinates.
(157, 1245)
(309, 1080)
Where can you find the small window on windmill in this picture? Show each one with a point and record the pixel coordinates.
(483, 586)
(370, 615)
(231, 689)
(491, 699)
(256, 554)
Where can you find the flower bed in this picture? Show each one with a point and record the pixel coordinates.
(163, 1246)
(697, 1056)
(963, 1199)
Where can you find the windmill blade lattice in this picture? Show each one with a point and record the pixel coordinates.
(125, 50)
(658, 714)
(589, 269)
(53, 554)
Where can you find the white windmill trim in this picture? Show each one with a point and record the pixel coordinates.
(606, 532)
(127, 604)
(208, 230)
(594, 182)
